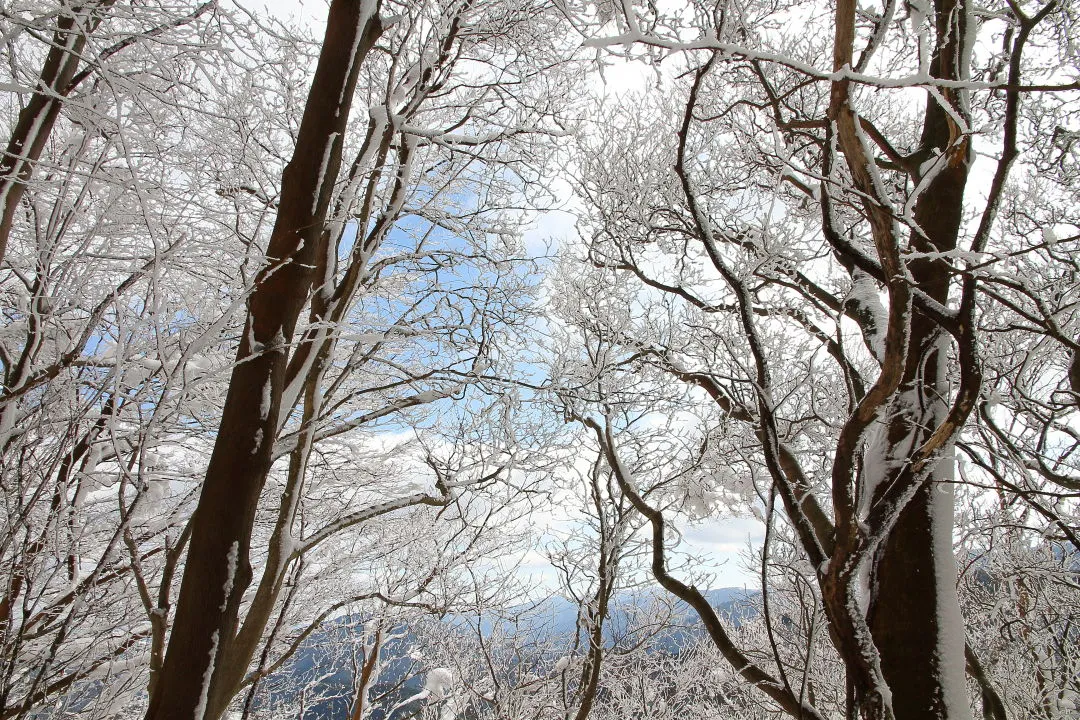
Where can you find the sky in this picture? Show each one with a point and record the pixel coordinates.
(312, 12)
(721, 544)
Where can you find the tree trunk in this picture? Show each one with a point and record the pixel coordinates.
(37, 119)
(914, 612)
(218, 570)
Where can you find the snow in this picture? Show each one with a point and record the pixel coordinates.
(1067, 702)
(919, 13)
(155, 493)
(928, 164)
(150, 364)
(31, 137)
(438, 682)
(951, 636)
(208, 675)
(267, 400)
(700, 502)
(452, 709)
(15, 88)
(291, 393)
(971, 29)
(232, 558)
(864, 292)
(437, 686)
(327, 154)
(195, 369)
(366, 11)
(427, 396)
(255, 346)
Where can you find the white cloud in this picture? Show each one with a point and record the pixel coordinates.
(722, 544)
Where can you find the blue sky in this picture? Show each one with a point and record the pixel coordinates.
(721, 543)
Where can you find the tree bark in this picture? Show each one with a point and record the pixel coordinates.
(218, 569)
(914, 613)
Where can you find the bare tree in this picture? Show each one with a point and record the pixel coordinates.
(79, 49)
(790, 261)
(93, 360)
(142, 245)
(435, 113)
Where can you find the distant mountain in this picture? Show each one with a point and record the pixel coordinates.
(328, 683)
(557, 616)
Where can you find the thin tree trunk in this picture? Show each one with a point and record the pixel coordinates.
(37, 119)
(367, 673)
(218, 570)
(606, 571)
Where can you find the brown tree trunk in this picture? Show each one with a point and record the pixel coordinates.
(218, 570)
(914, 613)
(914, 616)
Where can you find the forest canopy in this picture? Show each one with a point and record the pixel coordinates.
(298, 376)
